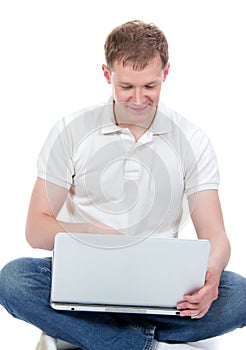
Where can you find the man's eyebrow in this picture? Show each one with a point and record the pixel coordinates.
(149, 83)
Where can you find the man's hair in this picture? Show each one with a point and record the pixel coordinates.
(135, 43)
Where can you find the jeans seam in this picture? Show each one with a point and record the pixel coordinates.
(149, 332)
(45, 270)
(149, 338)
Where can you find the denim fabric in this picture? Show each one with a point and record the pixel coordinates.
(25, 293)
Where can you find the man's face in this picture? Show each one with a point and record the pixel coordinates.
(137, 90)
(140, 88)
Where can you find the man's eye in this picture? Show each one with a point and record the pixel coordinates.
(128, 87)
(149, 86)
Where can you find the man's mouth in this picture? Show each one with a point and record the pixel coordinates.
(137, 108)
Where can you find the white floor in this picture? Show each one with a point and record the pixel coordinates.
(19, 335)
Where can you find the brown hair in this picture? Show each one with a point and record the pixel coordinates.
(135, 43)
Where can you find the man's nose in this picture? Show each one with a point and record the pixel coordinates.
(138, 96)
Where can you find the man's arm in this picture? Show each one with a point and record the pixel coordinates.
(208, 221)
(42, 226)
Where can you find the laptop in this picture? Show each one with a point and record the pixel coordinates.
(129, 274)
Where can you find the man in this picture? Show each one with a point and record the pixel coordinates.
(125, 167)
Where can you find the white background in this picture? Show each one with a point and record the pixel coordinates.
(50, 66)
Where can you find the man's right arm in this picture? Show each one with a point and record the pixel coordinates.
(42, 226)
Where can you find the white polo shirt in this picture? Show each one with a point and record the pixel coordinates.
(135, 187)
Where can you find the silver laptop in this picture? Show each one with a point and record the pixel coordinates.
(114, 273)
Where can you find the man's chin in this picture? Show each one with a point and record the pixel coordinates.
(141, 115)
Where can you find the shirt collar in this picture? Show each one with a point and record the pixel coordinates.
(109, 126)
(162, 123)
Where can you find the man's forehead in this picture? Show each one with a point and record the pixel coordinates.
(126, 74)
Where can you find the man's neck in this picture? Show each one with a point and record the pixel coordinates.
(137, 130)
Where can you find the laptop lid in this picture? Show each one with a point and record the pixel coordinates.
(117, 273)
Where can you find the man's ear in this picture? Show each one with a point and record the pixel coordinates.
(106, 73)
(166, 71)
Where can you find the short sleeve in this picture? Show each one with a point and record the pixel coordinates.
(55, 159)
(201, 166)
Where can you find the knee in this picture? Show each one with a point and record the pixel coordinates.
(233, 289)
(11, 278)
(22, 282)
(234, 281)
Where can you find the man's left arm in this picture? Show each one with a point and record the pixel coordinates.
(208, 221)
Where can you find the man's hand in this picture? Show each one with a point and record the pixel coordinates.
(197, 305)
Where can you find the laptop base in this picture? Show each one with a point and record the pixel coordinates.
(115, 308)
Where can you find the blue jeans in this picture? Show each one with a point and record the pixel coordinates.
(25, 293)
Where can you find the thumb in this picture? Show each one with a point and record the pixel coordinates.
(208, 275)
